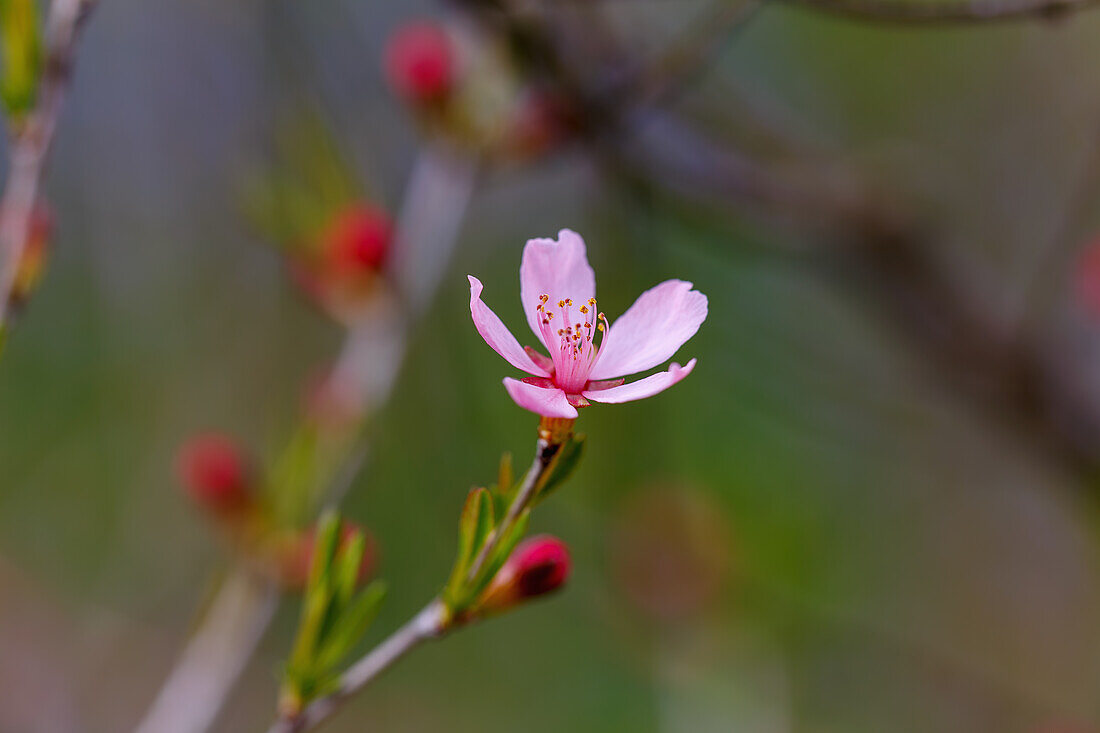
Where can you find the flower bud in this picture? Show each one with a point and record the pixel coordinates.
(295, 557)
(1088, 278)
(420, 62)
(538, 566)
(357, 240)
(215, 473)
(32, 260)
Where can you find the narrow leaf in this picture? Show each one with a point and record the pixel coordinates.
(352, 623)
(561, 468)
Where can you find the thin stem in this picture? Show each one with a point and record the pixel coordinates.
(198, 685)
(430, 623)
(544, 455)
(935, 13)
(33, 140)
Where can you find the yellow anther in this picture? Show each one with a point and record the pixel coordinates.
(569, 301)
(584, 309)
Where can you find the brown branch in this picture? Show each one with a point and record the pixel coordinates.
(886, 256)
(903, 12)
(34, 138)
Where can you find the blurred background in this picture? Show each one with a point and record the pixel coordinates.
(872, 507)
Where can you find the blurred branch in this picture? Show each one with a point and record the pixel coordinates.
(33, 139)
(904, 12)
(1010, 375)
(883, 252)
(660, 80)
(215, 656)
(435, 202)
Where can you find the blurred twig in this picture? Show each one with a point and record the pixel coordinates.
(216, 654)
(904, 12)
(33, 139)
(436, 199)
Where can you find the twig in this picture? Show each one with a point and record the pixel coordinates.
(544, 455)
(33, 140)
(369, 360)
(904, 12)
(428, 624)
(432, 622)
(198, 685)
(660, 80)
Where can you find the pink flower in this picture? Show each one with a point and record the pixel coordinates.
(558, 294)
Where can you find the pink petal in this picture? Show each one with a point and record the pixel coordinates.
(643, 388)
(652, 330)
(543, 361)
(540, 400)
(497, 335)
(559, 269)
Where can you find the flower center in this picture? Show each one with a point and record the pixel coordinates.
(575, 333)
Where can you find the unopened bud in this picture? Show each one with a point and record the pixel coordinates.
(32, 259)
(358, 239)
(420, 62)
(215, 473)
(1088, 278)
(538, 566)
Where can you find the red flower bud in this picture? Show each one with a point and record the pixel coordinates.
(1088, 278)
(32, 260)
(297, 556)
(358, 239)
(538, 566)
(420, 62)
(214, 473)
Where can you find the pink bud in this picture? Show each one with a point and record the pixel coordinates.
(214, 473)
(32, 260)
(537, 566)
(358, 239)
(420, 62)
(1088, 278)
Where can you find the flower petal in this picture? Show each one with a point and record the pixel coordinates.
(497, 335)
(546, 402)
(647, 387)
(652, 330)
(558, 268)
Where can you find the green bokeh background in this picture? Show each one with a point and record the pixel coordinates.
(895, 561)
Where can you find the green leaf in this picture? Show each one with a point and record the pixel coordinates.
(501, 553)
(351, 625)
(348, 561)
(318, 597)
(22, 56)
(561, 467)
(474, 525)
(294, 478)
